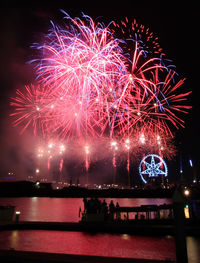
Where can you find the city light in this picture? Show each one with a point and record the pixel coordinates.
(17, 212)
(186, 192)
(187, 211)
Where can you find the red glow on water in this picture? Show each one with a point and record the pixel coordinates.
(100, 244)
(65, 209)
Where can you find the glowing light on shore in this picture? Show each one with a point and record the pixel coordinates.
(186, 192)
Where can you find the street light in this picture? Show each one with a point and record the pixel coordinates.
(186, 192)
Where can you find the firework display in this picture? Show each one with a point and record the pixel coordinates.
(131, 30)
(97, 82)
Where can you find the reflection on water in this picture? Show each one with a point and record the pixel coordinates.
(193, 248)
(101, 244)
(112, 245)
(65, 209)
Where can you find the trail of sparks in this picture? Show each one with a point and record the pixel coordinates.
(89, 87)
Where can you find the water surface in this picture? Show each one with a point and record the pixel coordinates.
(79, 243)
(65, 209)
(101, 244)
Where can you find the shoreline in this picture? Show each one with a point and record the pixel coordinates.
(78, 192)
(40, 189)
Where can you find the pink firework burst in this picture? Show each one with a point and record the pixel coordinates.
(131, 30)
(82, 64)
(89, 87)
(30, 107)
(135, 103)
(173, 101)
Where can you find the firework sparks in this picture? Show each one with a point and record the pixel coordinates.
(29, 108)
(131, 30)
(93, 85)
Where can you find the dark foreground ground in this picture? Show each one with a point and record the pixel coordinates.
(12, 256)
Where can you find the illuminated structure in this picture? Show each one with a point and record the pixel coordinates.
(152, 165)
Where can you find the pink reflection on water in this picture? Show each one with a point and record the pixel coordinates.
(46, 208)
(65, 209)
(112, 245)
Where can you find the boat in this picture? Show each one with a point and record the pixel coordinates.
(95, 211)
(142, 220)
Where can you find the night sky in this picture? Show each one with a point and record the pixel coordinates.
(176, 28)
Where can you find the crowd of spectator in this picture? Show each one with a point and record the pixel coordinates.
(96, 206)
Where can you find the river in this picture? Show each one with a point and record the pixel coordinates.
(101, 244)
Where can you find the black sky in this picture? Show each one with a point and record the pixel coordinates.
(176, 27)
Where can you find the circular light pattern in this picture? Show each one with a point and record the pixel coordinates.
(152, 165)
